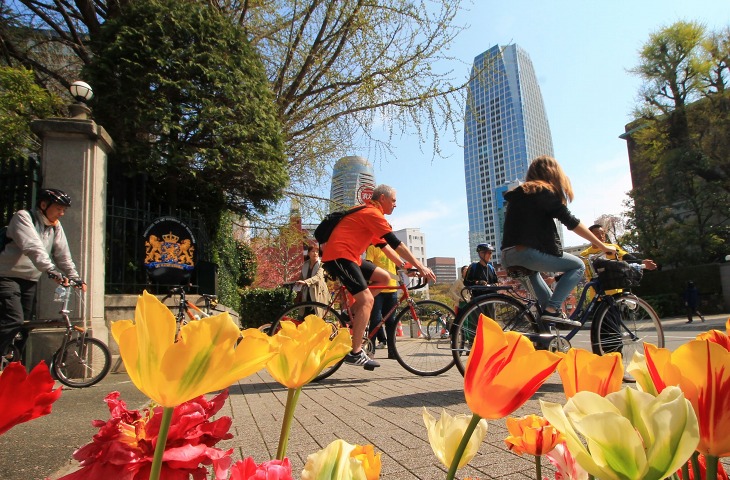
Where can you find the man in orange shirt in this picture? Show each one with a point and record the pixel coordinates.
(342, 259)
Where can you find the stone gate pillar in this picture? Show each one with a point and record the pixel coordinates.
(74, 159)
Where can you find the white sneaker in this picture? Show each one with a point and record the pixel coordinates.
(361, 360)
(559, 317)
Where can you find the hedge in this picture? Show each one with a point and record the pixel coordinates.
(260, 306)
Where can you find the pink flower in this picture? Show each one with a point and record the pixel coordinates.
(24, 396)
(566, 468)
(272, 470)
(125, 444)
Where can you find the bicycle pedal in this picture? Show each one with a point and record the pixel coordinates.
(369, 368)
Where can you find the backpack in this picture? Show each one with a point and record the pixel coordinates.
(329, 222)
(615, 274)
(4, 239)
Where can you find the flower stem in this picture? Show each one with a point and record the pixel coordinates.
(462, 446)
(291, 404)
(685, 470)
(695, 459)
(711, 463)
(161, 442)
(538, 467)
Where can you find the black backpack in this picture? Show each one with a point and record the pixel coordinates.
(329, 222)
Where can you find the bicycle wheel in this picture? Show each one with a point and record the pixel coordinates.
(419, 351)
(297, 313)
(83, 362)
(509, 314)
(623, 324)
(10, 354)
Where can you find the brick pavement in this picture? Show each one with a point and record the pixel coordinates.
(383, 408)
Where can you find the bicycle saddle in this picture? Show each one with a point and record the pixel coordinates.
(518, 272)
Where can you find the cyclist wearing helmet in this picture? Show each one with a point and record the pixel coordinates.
(37, 245)
(481, 272)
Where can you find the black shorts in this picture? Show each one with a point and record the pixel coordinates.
(352, 276)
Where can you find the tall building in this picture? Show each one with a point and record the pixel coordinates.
(505, 127)
(443, 267)
(353, 182)
(415, 240)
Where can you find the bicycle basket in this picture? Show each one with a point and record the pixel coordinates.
(615, 274)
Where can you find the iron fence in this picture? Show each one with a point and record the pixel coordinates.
(126, 223)
(20, 179)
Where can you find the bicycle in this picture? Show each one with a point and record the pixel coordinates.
(81, 360)
(186, 310)
(424, 349)
(622, 322)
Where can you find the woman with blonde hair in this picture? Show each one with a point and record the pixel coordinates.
(531, 237)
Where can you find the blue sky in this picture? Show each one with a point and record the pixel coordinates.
(581, 51)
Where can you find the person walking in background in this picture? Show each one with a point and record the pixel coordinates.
(384, 301)
(311, 281)
(342, 260)
(692, 301)
(37, 245)
(531, 237)
(457, 290)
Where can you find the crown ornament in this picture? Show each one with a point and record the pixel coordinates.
(170, 238)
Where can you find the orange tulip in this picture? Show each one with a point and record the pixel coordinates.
(701, 368)
(532, 434)
(582, 370)
(717, 336)
(503, 370)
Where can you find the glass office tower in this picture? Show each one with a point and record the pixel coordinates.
(353, 182)
(505, 127)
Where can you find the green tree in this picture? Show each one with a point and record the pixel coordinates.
(22, 100)
(198, 116)
(680, 150)
(337, 67)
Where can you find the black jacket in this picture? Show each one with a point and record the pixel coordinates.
(478, 274)
(529, 220)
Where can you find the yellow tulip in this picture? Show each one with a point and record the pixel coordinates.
(339, 460)
(503, 370)
(638, 369)
(445, 434)
(582, 370)
(629, 434)
(370, 460)
(532, 434)
(305, 350)
(204, 359)
(701, 368)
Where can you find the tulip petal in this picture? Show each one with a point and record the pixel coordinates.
(503, 370)
(206, 356)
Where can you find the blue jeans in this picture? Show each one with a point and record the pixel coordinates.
(382, 304)
(571, 265)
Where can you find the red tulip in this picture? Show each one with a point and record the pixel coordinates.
(24, 397)
(124, 446)
(272, 470)
(503, 370)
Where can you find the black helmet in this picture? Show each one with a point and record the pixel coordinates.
(54, 195)
(484, 247)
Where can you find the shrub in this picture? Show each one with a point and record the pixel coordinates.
(262, 305)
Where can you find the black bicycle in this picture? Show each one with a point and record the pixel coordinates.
(81, 360)
(621, 322)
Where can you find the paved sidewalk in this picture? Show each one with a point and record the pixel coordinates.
(383, 408)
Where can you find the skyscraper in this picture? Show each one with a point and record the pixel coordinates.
(353, 182)
(505, 127)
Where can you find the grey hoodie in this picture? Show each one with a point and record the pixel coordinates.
(35, 250)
